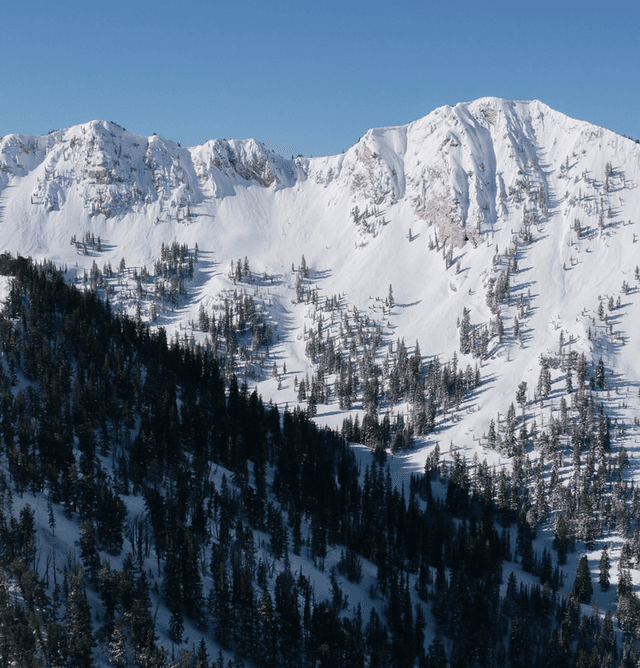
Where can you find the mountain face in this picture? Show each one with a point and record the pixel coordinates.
(439, 209)
(460, 169)
(456, 168)
(461, 292)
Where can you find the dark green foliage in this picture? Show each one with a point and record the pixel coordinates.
(167, 416)
(582, 587)
(604, 565)
(350, 565)
(78, 624)
(599, 376)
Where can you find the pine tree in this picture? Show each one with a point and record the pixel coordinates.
(25, 535)
(628, 612)
(465, 332)
(176, 626)
(604, 566)
(568, 381)
(78, 624)
(582, 587)
(519, 643)
(437, 657)
(89, 549)
(221, 606)
(172, 591)
(117, 647)
(51, 517)
(599, 377)
(190, 575)
(521, 396)
(376, 641)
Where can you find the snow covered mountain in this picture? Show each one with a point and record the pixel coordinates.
(495, 239)
(437, 209)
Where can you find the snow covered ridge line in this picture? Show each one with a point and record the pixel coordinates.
(427, 162)
(490, 236)
(114, 172)
(488, 184)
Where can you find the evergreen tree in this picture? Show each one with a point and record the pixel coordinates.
(117, 647)
(599, 377)
(521, 396)
(172, 591)
(582, 587)
(221, 606)
(437, 657)
(88, 549)
(268, 630)
(519, 652)
(78, 624)
(465, 332)
(25, 536)
(176, 625)
(604, 566)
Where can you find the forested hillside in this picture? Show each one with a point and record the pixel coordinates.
(189, 524)
(378, 408)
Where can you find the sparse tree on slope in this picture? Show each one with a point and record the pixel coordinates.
(582, 587)
(604, 566)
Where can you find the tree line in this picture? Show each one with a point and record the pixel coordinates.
(98, 409)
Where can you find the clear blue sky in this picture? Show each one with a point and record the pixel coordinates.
(308, 77)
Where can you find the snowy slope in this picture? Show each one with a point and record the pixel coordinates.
(465, 181)
(438, 209)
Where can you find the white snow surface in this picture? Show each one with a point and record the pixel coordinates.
(462, 174)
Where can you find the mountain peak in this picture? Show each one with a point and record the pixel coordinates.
(468, 280)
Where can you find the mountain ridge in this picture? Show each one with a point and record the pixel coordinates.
(461, 180)
(459, 295)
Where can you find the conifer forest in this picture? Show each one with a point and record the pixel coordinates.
(239, 504)
(370, 410)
